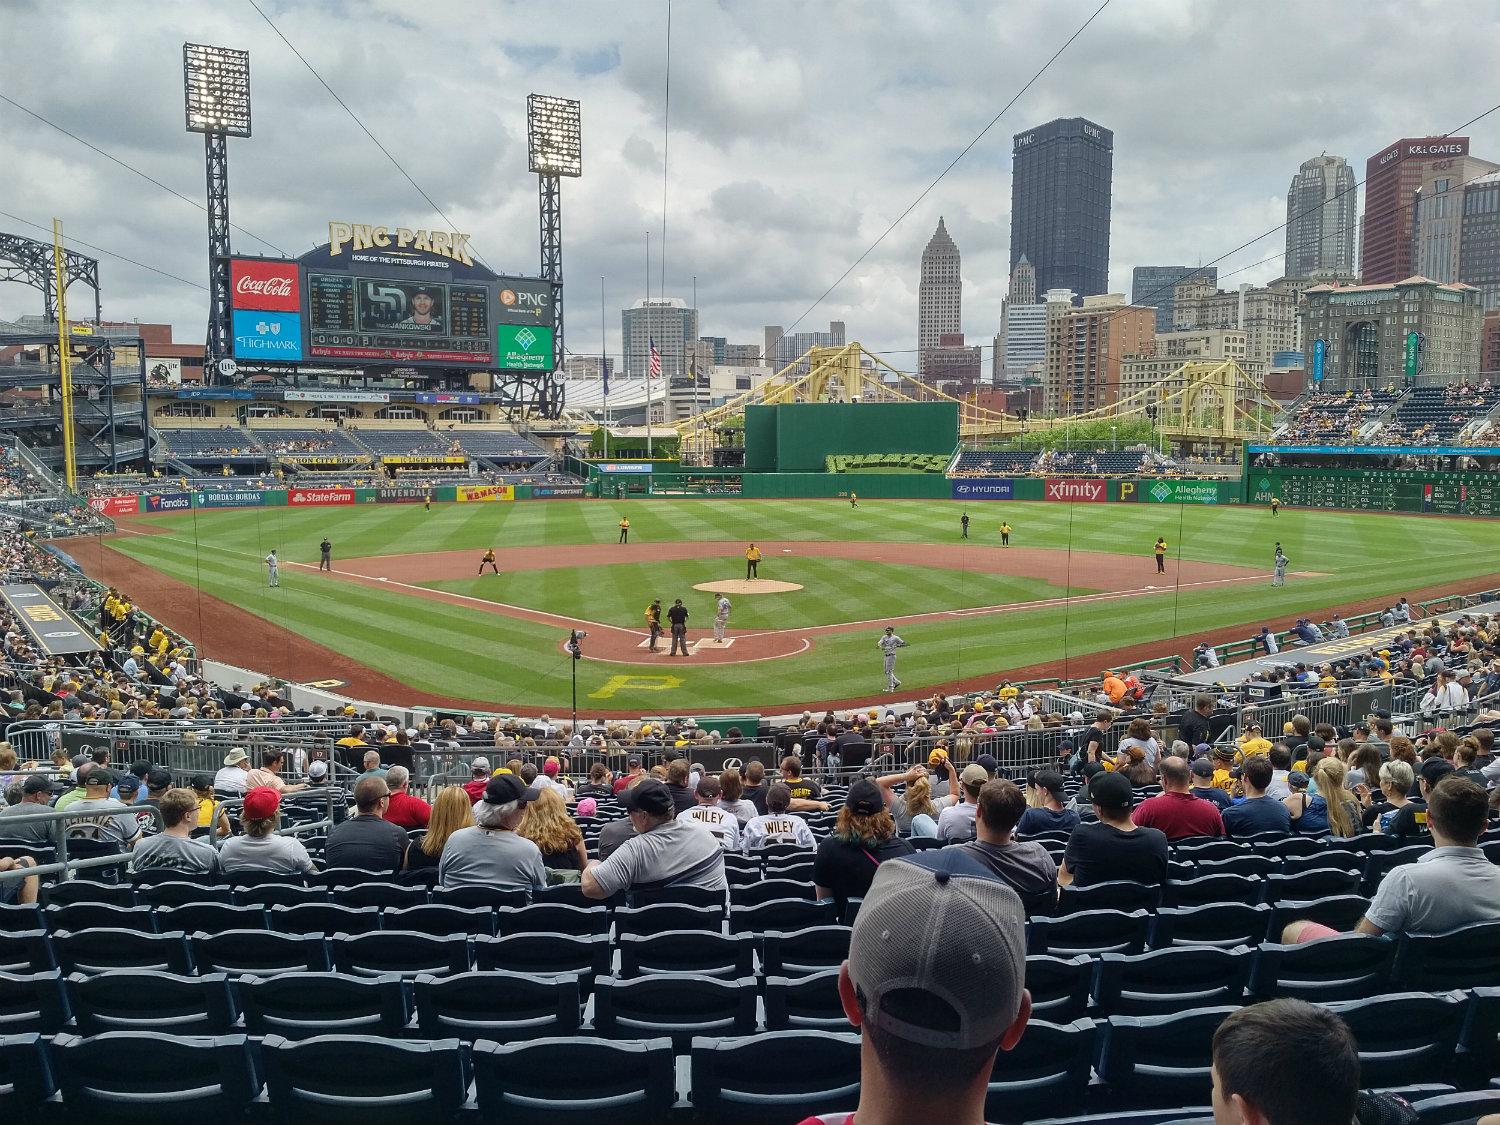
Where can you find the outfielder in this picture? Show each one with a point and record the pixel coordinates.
(963, 525)
(721, 618)
(1282, 562)
(888, 645)
(273, 569)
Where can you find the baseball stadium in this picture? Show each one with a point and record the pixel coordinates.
(409, 716)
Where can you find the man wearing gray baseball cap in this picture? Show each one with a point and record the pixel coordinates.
(936, 984)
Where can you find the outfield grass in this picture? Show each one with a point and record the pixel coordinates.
(448, 649)
(834, 590)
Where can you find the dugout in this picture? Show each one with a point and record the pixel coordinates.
(798, 437)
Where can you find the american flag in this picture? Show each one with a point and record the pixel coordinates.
(655, 360)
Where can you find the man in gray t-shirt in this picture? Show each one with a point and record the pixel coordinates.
(36, 797)
(491, 854)
(110, 820)
(664, 852)
(174, 849)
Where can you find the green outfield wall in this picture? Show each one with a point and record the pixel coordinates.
(798, 437)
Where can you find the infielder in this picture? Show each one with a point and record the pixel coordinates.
(888, 645)
(752, 561)
(273, 569)
(1282, 562)
(624, 529)
(1160, 551)
(1005, 535)
(721, 618)
(488, 560)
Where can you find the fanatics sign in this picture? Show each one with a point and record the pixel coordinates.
(271, 286)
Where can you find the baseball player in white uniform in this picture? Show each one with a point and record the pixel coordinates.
(721, 618)
(888, 644)
(273, 569)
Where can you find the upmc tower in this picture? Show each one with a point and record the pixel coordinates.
(1392, 177)
(1059, 204)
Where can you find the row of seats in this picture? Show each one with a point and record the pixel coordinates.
(1420, 1043)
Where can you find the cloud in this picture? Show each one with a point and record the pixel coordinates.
(798, 132)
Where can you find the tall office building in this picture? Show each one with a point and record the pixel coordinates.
(1392, 178)
(671, 324)
(1267, 314)
(1152, 286)
(1060, 201)
(939, 294)
(1022, 290)
(784, 348)
(1440, 218)
(1086, 348)
(1321, 217)
(1479, 246)
(1365, 327)
(1021, 346)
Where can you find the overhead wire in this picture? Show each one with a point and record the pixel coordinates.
(102, 250)
(150, 179)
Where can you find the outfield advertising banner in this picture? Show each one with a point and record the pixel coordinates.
(557, 491)
(1077, 490)
(1179, 491)
(475, 493)
(407, 494)
(626, 467)
(319, 497)
(167, 502)
(115, 505)
(230, 498)
(984, 488)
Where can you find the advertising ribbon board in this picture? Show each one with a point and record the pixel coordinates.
(404, 495)
(1179, 491)
(473, 493)
(424, 459)
(557, 491)
(335, 396)
(52, 627)
(230, 498)
(167, 502)
(1077, 490)
(115, 505)
(628, 467)
(319, 497)
(984, 488)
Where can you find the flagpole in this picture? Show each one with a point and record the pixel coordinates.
(604, 366)
(650, 339)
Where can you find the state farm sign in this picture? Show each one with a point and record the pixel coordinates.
(1077, 491)
(270, 286)
(322, 497)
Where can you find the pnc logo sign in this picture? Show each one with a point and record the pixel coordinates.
(1077, 491)
(271, 286)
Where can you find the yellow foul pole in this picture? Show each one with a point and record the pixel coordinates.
(64, 355)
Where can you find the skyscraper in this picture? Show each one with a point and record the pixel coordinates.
(1060, 202)
(1151, 287)
(1392, 178)
(1320, 217)
(1440, 214)
(670, 324)
(939, 294)
(1021, 347)
(1022, 283)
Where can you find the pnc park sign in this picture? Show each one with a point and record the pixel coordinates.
(362, 236)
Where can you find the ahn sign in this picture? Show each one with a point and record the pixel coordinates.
(1075, 490)
(267, 285)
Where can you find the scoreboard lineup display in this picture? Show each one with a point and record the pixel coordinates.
(354, 317)
(1393, 490)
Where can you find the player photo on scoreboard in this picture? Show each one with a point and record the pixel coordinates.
(402, 306)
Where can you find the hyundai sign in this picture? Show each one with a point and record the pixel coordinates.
(984, 488)
(259, 334)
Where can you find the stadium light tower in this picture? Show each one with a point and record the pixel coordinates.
(216, 95)
(555, 143)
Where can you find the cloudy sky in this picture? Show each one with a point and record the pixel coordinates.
(797, 133)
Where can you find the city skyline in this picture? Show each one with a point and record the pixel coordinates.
(764, 221)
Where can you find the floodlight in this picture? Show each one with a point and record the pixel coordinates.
(216, 89)
(553, 135)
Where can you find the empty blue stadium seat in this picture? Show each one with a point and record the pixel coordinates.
(1159, 1060)
(1468, 957)
(778, 1075)
(1170, 980)
(79, 916)
(769, 889)
(479, 898)
(208, 916)
(1059, 986)
(151, 1001)
(1047, 1071)
(97, 951)
(677, 1005)
(399, 951)
(799, 952)
(130, 1076)
(438, 919)
(1457, 1109)
(323, 918)
(25, 951)
(1343, 967)
(1115, 894)
(585, 955)
(687, 951)
(32, 1002)
(495, 1005)
(668, 916)
(363, 1078)
(781, 914)
(560, 918)
(619, 1083)
(1404, 1037)
(259, 953)
(1089, 931)
(302, 1005)
(1224, 924)
(26, 1080)
(805, 1003)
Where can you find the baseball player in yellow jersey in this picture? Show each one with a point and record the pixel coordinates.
(624, 529)
(1160, 551)
(488, 560)
(1275, 504)
(1005, 535)
(653, 621)
(853, 499)
(752, 561)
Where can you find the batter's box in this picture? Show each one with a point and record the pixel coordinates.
(663, 643)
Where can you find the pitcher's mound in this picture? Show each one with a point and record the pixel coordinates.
(748, 586)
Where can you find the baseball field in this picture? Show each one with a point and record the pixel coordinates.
(405, 618)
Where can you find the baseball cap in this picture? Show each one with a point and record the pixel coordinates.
(317, 769)
(989, 763)
(481, 765)
(1050, 780)
(937, 955)
(1202, 767)
(99, 775)
(974, 774)
(937, 757)
(262, 802)
(1111, 791)
(127, 783)
(504, 788)
(36, 783)
(203, 781)
(235, 757)
(864, 798)
(632, 761)
(550, 767)
(1297, 779)
(158, 779)
(648, 797)
(1435, 769)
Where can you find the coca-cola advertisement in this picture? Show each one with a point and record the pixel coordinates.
(259, 284)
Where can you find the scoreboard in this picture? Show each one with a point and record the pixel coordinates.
(1379, 490)
(372, 318)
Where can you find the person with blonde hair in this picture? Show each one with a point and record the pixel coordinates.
(546, 824)
(863, 837)
(451, 810)
(1343, 810)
